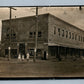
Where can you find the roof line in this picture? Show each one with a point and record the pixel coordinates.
(27, 16)
(67, 22)
(46, 14)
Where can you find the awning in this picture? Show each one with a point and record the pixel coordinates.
(65, 45)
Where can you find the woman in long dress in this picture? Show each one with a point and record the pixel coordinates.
(19, 57)
(27, 56)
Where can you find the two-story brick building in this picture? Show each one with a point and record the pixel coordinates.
(55, 37)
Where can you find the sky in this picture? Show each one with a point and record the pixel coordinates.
(71, 15)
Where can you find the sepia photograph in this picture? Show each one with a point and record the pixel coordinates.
(41, 42)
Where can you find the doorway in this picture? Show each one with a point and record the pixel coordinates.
(22, 48)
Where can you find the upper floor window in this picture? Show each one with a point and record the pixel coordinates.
(79, 38)
(83, 39)
(59, 31)
(62, 33)
(7, 36)
(66, 34)
(72, 35)
(31, 34)
(34, 33)
(69, 35)
(75, 36)
(54, 30)
(14, 36)
(39, 34)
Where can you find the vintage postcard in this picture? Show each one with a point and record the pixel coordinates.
(42, 42)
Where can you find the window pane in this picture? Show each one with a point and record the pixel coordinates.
(70, 35)
(39, 34)
(59, 31)
(54, 30)
(30, 34)
(75, 36)
(7, 36)
(66, 34)
(34, 33)
(62, 33)
(79, 38)
(83, 39)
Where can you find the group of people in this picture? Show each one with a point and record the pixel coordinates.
(22, 57)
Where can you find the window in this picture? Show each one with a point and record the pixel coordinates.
(8, 29)
(79, 38)
(66, 34)
(62, 33)
(83, 39)
(7, 36)
(72, 35)
(54, 30)
(34, 33)
(75, 36)
(39, 34)
(13, 36)
(30, 34)
(59, 31)
(6, 51)
(69, 35)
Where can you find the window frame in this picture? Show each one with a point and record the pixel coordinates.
(59, 32)
(39, 32)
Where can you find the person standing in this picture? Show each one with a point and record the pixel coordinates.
(19, 57)
(27, 56)
(22, 57)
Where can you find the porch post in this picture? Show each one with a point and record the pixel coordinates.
(17, 48)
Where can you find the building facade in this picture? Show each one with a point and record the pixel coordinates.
(55, 37)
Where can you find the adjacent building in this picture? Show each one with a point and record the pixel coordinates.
(55, 37)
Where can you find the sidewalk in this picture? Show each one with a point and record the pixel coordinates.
(41, 68)
(5, 60)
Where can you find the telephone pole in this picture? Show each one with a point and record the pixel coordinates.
(9, 48)
(36, 37)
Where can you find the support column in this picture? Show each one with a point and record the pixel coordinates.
(46, 51)
(79, 52)
(66, 53)
(71, 51)
(69, 55)
(17, 48)
(59, 58)
(25, 48)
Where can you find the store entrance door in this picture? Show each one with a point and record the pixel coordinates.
(22, 48)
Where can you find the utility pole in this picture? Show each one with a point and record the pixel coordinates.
(9, 48)
(80, 8)
(36, 37)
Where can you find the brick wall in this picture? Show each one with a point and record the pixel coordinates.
(55, 39)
